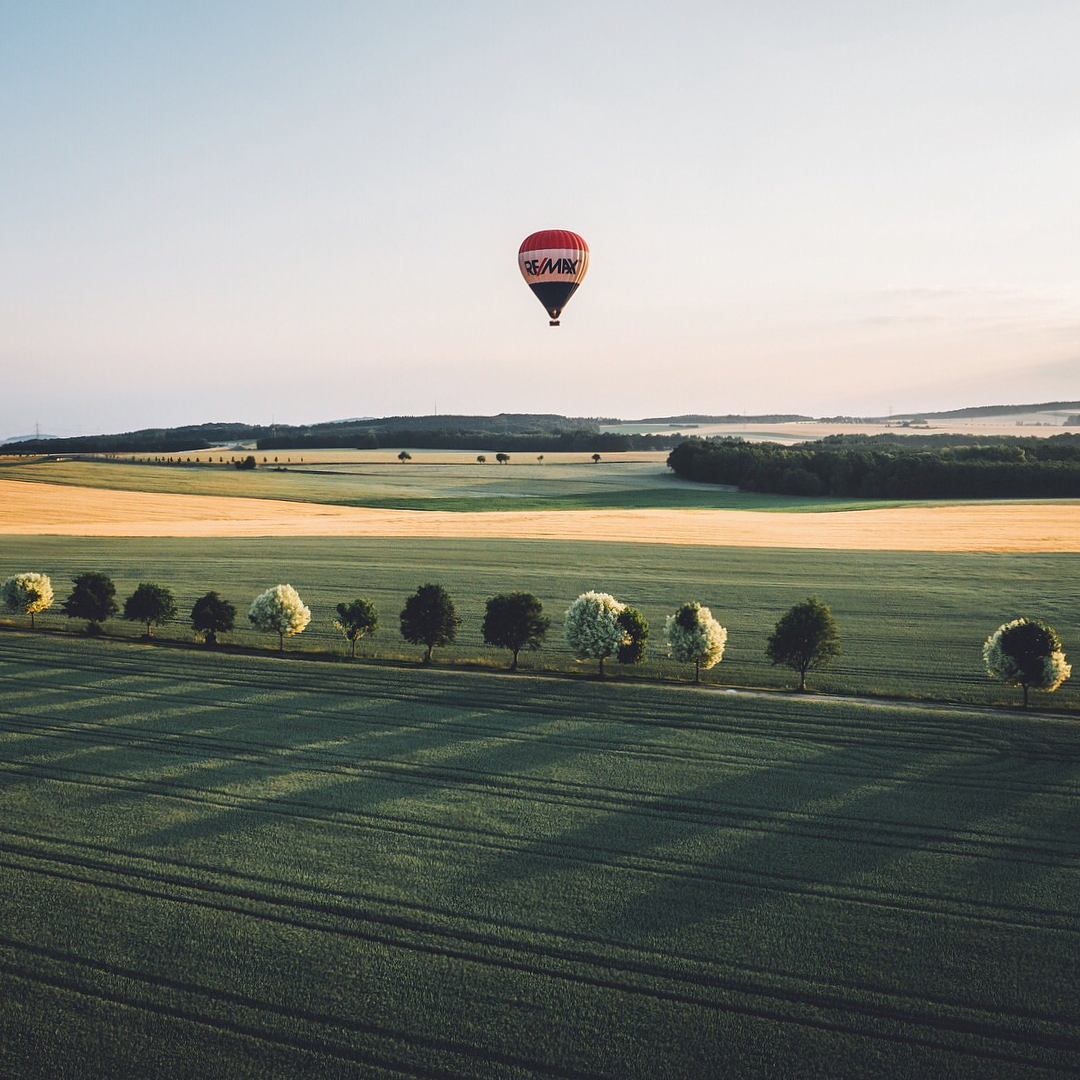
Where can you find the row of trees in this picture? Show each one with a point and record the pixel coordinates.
(885, 470)
(1025, 652)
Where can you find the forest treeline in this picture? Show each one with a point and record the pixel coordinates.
(452, 432)
(418, 439)
(890, 467)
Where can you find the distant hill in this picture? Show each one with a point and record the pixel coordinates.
(385, 431)
(26, 438)
(992, 410)
(726, 418)
(542, 431)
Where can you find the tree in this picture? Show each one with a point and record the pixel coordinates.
(151, 604)
(632, 650)
(246, 463)
(540, 458)
(806, 637)
(596, 459)
(1027, 653)
(502, 459)
(480, 458)
(695, 637)
(515, 621)
(93, 598)
(404, 456)
(27, 594)
(280, 611)
(357, 619)
(429, 619)
(593, 628)
(211, 615)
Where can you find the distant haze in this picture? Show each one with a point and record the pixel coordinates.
(292, 212)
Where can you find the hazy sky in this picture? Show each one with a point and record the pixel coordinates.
(223, 210)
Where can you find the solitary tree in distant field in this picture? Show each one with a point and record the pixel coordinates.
(695, 637)
(540, 458)
(502, 459)
(211, 615)
(356, 619)
(515, 621)
(593, 628)
(151, 604)
(280, 611)
(596, 459)
(27, 594)
(480, 458)
(1027, 653)
(806, 637)
(632, 650)
(404, 456)
(93, 598)
(429, 619)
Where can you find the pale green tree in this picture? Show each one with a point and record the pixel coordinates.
(695, 637)
(593, 628)
(27, 594)
(280, 611)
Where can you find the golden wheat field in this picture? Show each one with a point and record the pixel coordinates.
(46, 509)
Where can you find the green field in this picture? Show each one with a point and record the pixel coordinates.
(912, 624)
(216, 866)
(433, 482)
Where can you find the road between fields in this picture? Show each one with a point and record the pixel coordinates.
(36, 509)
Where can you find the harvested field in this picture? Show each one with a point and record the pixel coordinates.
(216, 866)
(46, 509)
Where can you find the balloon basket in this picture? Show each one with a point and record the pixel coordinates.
(554, 322)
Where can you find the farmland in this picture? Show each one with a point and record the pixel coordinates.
(225, 863)
(210, 868)
(432, 480)
(912, 623)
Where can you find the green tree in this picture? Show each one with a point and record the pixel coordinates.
(429, 619)
(636, 629)
(93, 598)
(596, 459)
(1027, 653)
(357, 619)
(806, 637)
(404, 456)
(502, 459)
(246, 463)
(211, 615)
(151, 604)
(515, 621)
(481, 459)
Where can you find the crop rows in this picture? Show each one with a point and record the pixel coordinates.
(381, 871)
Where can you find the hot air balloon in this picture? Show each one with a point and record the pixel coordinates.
(553, 263)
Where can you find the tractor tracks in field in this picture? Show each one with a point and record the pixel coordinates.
(561, 850)
(721, 812)
(1015, 1035)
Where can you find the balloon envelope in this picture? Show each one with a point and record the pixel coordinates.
(553, 263)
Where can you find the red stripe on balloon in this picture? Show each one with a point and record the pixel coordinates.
(553, 239)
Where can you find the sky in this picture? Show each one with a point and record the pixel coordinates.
(289, 211)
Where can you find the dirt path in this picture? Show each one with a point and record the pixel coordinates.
(33, 509)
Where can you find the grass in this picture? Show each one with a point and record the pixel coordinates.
(223, 866)
(433, 483)
(912, 624)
